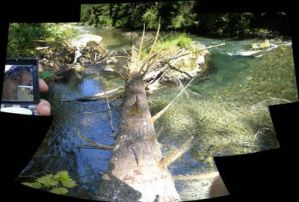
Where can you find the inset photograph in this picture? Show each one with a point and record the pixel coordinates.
(20, 92)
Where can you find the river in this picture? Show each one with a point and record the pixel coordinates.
(226, 113)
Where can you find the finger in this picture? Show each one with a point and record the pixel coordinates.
(43, 87)
(44, 108)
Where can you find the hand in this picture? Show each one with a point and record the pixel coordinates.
(43, 108)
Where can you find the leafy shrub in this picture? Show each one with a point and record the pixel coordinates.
(58, 183)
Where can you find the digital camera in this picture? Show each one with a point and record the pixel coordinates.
(20, 93)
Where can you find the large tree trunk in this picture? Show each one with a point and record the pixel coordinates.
(136, 171)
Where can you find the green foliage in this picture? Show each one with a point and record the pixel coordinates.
(35, 185)
(59, 32)
(24, 37)
(183, 41)
(47, 181)
(65, 179)
(173, 41)
(46, 75)
(21, 38)
(150, 17)
(59, 190)
(58, 183)
(263, 45)
(182, 15)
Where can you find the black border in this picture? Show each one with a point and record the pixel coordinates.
(261, 176)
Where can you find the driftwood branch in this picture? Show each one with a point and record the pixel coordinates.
(167, 61)
(181, 71)
(160, 113)
(201, 49)
(34, 175)
(148, 63)
(156, 38)
(110, 94)
(173, 156)
(202, 176)
(110, 113)
(141, 43)
(157, 77)
(92, 144)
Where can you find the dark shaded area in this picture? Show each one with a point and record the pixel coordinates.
(186, 16)
(22, 134)
(46, 11)
(3, 44)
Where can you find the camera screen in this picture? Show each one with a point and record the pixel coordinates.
(18, 83)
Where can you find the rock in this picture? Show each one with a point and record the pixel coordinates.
(82, 41)
(200, 59)
(92, 53)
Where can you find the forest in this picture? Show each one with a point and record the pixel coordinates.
(184, 16)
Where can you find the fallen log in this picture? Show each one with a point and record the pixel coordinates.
(136, 171)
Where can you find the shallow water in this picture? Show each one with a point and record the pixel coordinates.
(234, 85)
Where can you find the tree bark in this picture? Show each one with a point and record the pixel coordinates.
(135, 172)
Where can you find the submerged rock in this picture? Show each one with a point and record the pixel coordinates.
(83, 40)
(256, 50)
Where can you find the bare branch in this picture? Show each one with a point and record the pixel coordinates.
(173, 156)
(141, 43)
(202, 176)
(157, 34)
(176, 69)
(157, 78)
(110, 113)
(34, 175)
(147, 64)
(111, 94)
(160, 113)
(93, 143)
(206, 48)
(88, 146)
